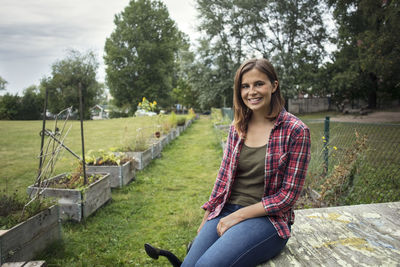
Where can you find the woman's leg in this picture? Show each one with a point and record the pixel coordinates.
(248, 243)
(207, 236)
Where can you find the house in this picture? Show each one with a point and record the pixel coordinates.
(99, 112)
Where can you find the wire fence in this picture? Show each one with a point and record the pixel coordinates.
(374, 174)
(364, 158)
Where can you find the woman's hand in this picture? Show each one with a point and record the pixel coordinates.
(227, 222)
(252, 211)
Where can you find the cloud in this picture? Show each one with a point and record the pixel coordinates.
(35, 34)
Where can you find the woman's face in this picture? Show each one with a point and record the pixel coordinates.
(256, 91)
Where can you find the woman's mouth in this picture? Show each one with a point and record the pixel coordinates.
(255, 100)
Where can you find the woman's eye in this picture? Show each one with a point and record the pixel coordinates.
(258, 84)
(245, 86)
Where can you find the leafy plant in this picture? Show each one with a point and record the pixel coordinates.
(181, 121)
(172, 119)
(109, 158)
(11, 207)
(340, 181)
(147, 105)
(74, 181)
(191, 114)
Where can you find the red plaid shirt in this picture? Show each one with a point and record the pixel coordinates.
(286, 161)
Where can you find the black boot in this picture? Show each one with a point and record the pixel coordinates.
(156, 252)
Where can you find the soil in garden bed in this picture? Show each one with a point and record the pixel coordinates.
(11, 207)
(73, 181)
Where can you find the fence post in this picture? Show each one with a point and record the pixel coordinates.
(326, 142)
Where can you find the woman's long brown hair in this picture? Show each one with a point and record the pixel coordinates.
(242, 113)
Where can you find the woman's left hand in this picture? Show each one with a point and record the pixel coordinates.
(227, 222)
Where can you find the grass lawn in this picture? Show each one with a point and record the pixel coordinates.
(161, 207)
(20, 145)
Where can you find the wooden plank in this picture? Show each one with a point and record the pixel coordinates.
(156, 150)
(119, 175)
(164, 141)
(25, 264)
(360, 235)
(96, 196)
(146, 157)
(72, 195)
(25, 240)
(128, 173)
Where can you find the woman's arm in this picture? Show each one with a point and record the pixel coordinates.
(252, 211)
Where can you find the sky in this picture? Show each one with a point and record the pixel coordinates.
(34, 34)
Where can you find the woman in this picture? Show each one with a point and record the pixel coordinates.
(249, 214)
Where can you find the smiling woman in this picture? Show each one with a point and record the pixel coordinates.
(249, 214)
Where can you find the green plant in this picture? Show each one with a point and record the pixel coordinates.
(147, 105)
(102, 157)
(172, 119)
(74, 181)
(181, 121)
(12, 208)
(191, 114)
(340, 181)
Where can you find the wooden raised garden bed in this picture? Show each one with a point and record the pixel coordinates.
(164, 140)
(119, 175)
(77, 204)
(156, 149)
(143, 158)
(23, 241)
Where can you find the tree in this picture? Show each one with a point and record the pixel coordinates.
(140, 54)
(291, 34)
(9, 107)
(31, 104)
(368, 60)
(76, 70)
(2, 84)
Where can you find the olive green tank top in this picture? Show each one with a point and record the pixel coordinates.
(248, 186)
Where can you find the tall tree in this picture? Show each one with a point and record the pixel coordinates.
(140, 54)
(31, 104)
(76, 70)
(368, 61)
(10, 106)
(289, 33)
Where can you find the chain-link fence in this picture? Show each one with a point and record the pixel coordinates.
(364, 158)
(351, 163)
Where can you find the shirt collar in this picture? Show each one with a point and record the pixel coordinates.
(280, 118)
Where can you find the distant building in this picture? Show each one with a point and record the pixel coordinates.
(99, 112)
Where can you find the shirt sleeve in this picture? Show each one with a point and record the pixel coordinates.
(222, 177)
(294, 176)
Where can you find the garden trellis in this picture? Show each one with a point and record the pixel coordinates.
(50, 152)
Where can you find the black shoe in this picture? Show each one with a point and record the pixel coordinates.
(156, 252)
(152, 251)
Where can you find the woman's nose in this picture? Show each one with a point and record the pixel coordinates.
(251, 89)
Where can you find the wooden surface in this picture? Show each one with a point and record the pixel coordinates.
(25, 240)
(119, 175)
(156, 149)
(360, 235)
(73, 204)
(143, 158)
(164, 141)
(96, 195)
(25, 264)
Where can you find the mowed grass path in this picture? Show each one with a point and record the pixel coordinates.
(161, 207)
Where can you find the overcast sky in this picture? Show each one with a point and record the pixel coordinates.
(36, 33)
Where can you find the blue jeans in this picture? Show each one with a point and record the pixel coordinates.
(248, 243)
